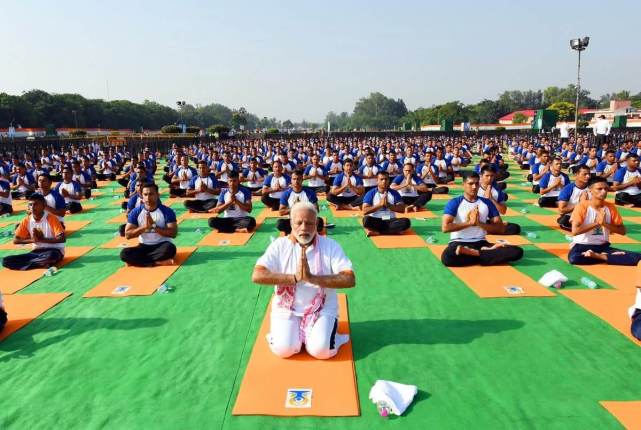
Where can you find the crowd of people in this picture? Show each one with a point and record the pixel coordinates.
(381, 177)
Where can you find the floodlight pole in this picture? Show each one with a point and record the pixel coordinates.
(578, 90)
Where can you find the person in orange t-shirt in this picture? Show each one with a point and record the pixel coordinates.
(593, 221)
(41, 229)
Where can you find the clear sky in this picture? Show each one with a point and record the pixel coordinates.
(299, 60)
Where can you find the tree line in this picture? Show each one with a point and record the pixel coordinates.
(37, 108)
(380, 112)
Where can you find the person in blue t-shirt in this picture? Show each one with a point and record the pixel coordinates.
(347, 188)
(291, 196)
(379, 207)
(235, 204)
(627, 183)
(202, 190)
(155, 226)
(468, 219)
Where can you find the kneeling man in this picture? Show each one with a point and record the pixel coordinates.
(306, 269)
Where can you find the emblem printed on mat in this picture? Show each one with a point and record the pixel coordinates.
(121, 289)
(224, 242)
(299, 398)
(514, 290)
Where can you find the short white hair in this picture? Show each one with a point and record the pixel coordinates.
(302, 206)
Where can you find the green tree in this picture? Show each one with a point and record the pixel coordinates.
(519, 118)
(565, 110)
(378, 112)
(288, 124)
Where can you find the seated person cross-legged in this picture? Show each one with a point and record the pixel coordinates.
(44, 231)
(572, 194)
(347, 189)
(626, 183)
(468, 218)
(235, 204)
(488, 190)
(203, 189)
(413, 191)
(154, 224)
(306, 270)
(297, 193)
(551, 184)
(592, 222)
(379, 206)
(274, 186)
(6, 206)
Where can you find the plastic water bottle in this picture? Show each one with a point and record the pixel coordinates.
(272, 238)
(115, 197)
(51, 271)
(383, 408)
(589, 283)
(122, 210)
(524, 211)
(430, 239)
(531, 235)
(164, 288)
(568, 238)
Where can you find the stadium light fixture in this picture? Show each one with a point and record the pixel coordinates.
(578, 45)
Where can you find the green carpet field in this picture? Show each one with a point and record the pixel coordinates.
(176, 360)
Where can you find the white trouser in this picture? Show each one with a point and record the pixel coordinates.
(284, 339)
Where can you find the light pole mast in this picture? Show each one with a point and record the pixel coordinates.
(578, 45)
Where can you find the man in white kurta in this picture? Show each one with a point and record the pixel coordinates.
(304, 306)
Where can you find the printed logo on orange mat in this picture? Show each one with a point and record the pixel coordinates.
(299, 398)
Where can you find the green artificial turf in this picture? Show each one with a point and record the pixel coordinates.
(176, 360)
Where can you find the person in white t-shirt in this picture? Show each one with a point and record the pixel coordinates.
(592, 222)
(155, 226)
(235, 205)
(379, 207)
(468, 219)
(306, 269)
(203, 189)
(627, 182)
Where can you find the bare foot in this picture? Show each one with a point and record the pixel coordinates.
(415, 208)
(371, 233)
(168, 262)
(242, 230)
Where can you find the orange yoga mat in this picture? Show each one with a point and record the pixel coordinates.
(621, 277)
(119, 219)
(138, 281)
(609, 305)
(511, 239)
(409, 239)
(15, 280)
(494, 281)
(345, 213)
(24, 308)
(70, 228)
(196, 215)
(550, 222)
(628, 413)
(263, 390)
(442, 197)
(225, 239)
(512, 212)
(119, 242)
(422, 213)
